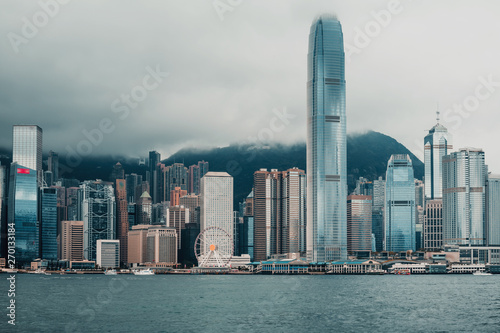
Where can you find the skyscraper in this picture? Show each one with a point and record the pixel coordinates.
(154, 159)
(27, 148)
(326, 143)
(48, 223)
(493, 210)
(378, 201)
(359, 223)
(464, 197)
(3, 210)
(217, 201)
(122, 217)
(23, 212)
(97, 202)
(71, 240)
(399, 211)
(280, 212)
(53, 165)
(436, 145)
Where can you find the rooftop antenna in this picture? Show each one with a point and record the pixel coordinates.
(437, 113)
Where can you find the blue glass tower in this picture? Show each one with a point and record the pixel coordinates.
(22, 212)
(48, 223)
(399, 227)
(326, 143)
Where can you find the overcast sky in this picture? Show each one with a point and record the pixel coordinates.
(233, 65)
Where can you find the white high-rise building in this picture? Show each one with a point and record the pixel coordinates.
(27, 147)
(493, 210)
(464, 197)
(217, 201)
(436, 145)
(108, 253)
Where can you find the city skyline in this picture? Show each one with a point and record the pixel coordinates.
(246, 103)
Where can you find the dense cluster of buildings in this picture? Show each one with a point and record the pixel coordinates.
(156, 219)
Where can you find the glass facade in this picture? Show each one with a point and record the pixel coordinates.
(399, 226)
(326, 143)
(464, 184)
(48, 223)
(23, 212)
(493, 210)
(97, 202)
(27, 147)
(436, 145)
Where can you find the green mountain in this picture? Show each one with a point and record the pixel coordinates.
(367, 156)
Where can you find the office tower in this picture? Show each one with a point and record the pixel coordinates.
(140, 189)
(436, 145)
(71, 240)
(144, 209)
(27, 148)
(493, 210)
(48, 178)
(433, 225)
(72, 203)
(246, 227)
(108, 253)
(419, 227)
(189, 236)
(363, 187)
(162, 245)
(279, 212)
(399, 229)
(132, 217)
(177, 217)
(192, 202)
(378, 201)
(23, 212)
(419, 193)
(154, 160)
(3, 210)
(117, 173)
(122, 217)
(137, 244)
(132, 180)
(159, 213)
(293, 214)
(175, 196)
(359, 223)
(97, 202)
(48, 223)
(53, 165)
(175, 175)
(326, 143)
(464, 180)
(216, 201)
(193, 180)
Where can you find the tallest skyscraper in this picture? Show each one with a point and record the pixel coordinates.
(326, 143)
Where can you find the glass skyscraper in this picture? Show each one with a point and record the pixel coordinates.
(97, 211)
(326, 143)
(23, 212)
(27, 147)
(48, 223)
(493, 230)
(464, 197)
(399, 227)
(436, 145)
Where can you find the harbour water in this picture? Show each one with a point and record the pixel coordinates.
(254, 303)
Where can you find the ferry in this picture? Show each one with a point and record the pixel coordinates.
(402, 272)
(478, 272)
(148, 271)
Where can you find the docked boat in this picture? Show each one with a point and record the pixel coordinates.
(481, 273)
(148, 271)
(110, 272)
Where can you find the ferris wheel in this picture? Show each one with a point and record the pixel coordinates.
(213, 248)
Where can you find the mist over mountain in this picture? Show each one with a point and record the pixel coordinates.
(367, 156)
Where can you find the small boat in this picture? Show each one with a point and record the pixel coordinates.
(478, 272)
(47, 273)
(110, 272)
(403, 272)
(148, 271)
